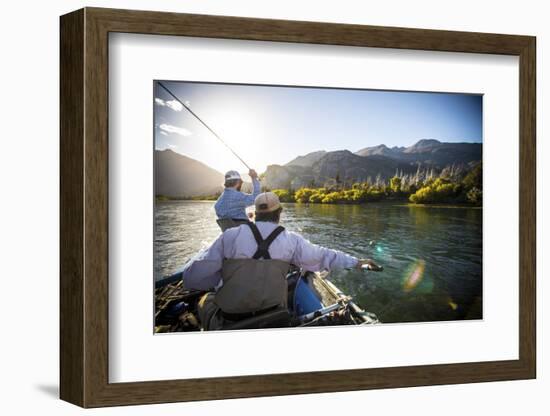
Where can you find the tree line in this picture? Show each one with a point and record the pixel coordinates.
(454, 185)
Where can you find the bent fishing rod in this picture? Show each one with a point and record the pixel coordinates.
(204, 124)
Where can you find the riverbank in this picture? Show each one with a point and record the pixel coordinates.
(449, 187)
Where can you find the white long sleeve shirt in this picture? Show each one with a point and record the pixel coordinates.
(204, 270)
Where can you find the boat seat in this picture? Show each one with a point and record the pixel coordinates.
(276, 318)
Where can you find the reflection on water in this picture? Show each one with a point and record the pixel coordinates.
(431, 255)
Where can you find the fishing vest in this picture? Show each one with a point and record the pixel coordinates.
(256, 284)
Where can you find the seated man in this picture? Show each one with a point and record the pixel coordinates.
(231, 205)
(248, 265)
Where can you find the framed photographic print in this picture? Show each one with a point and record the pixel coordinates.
(257, 207)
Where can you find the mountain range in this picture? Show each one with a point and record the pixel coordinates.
(181, 176)
(177, 175)
(320, 167)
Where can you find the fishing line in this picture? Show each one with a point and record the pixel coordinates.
(203, 123)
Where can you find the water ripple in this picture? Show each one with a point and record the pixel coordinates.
(447, 240)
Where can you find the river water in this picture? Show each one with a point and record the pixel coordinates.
(431, 255)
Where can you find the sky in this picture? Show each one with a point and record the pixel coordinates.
(268, 125)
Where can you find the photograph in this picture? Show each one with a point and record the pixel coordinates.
(230, 184)
(295, 206)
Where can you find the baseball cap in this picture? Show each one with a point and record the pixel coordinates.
(267, 202)
(232, 175)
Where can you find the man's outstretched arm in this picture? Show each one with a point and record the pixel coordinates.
(315, 258)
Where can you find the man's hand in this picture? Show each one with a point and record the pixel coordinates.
(252, 173)
(371, 265)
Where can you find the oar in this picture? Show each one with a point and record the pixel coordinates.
(204, 124)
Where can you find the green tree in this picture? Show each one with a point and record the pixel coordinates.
(437, 191)
(474, 178)
(395, 184)
(284, 195)
(374, 194)
(303, 194)
(331, 198)
(316, 198)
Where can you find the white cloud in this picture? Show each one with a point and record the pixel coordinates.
(163, 133)
(173, 104)
(168, 128)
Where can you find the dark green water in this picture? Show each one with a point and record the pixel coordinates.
(431, 255)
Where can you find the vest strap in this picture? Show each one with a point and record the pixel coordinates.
(263, 245)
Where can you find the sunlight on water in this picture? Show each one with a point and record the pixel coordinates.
(431, 256)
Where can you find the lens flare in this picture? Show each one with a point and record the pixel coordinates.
(414, 276)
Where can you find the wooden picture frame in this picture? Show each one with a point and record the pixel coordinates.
(84, 207)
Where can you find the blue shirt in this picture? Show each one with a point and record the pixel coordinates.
(232, 203)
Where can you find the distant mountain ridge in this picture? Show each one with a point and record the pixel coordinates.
(380, 150)
(318, 168)
(177, 175)
(307, 160)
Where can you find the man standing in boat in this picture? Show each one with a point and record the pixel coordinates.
(232, 203)
(248, 265)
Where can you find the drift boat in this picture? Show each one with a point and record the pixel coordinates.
(312, 301)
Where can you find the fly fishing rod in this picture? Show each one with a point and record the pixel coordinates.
(204, 124)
